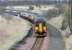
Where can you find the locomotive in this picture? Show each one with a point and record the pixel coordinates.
(40, 27)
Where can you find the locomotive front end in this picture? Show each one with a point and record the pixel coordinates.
(40, 28)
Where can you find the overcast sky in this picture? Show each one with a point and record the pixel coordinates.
(34, 0)
(37, 0)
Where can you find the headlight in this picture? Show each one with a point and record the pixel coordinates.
(36, 29)
(45, 28)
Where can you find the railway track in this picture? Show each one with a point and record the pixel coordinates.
(38, 44)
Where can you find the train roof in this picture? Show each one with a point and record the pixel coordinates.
(41, 19)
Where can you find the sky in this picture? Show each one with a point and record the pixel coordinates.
(34, 0)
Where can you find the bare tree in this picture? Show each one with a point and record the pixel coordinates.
(67, 18)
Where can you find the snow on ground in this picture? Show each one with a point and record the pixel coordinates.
(57, 22)
(68, 40)
(69, 43)
(12, 31)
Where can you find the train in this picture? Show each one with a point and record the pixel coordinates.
(40, 27)
(39, 23)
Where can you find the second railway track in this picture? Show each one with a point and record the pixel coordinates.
(38, 44)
